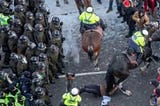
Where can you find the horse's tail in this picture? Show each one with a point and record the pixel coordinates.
(90, 52)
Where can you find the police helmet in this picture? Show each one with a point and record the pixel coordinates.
(29, 15)
(39, 27)
(13, 56)
(32, 45)
(41, 65)
(44, 8)
(27, 74)
(17, 22)
(145, 32)
(22, 59)
(39, 16)
(56, 20)
(53, 48)
(41, 46)
(27, 27)
(12, 35)
(23, 39)
(19, 8)
(55, 33)
(89, 9)
(3, 3)
(42, 56)
(34, 59)
(21, 2)
(39, 91)
(6, 28)
(74, 91)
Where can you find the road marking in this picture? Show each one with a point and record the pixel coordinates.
(85, 74)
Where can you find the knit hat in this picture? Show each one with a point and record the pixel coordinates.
(154, 82)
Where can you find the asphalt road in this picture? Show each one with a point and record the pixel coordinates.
(77, 61)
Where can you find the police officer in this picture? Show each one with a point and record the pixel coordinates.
(53, 56)
(41, 48)
(22, 44)
(5, 19)
(39, 19)
(5, 8)
(39, 34)
(33, 63)
(30, 51)
(56, 24)
(43, 58)
(137, 43)
(71, 98)
(13, 62)
(12, 41)
(89, 20)
(20, 13)
(30, 18)
(22, 64)
(17, 27)
(28, 31)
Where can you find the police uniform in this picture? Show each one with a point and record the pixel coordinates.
(88, 20)
(137, 43)
(70, 100)
(4, 19)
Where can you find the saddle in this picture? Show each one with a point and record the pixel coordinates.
(131, 58)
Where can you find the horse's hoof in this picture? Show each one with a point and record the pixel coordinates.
(128, 93)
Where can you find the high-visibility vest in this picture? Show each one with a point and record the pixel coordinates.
(89, 18)
(70, 100)
(139, 39)
(4, 19)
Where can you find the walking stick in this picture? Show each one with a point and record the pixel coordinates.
(70, 77)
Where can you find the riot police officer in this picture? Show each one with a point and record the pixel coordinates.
(28, 31)
(30, 51)
(41, 48)
(30, 18)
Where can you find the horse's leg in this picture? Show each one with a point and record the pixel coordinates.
(95, 62)
(88, 3)
(57, 3)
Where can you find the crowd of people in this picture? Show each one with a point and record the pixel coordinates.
(31, 53)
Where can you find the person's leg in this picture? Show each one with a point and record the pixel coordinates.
(110, 6)
(99, 1)
(94, 89)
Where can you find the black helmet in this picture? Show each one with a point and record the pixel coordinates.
(21, 2)
(29, 15)
(23, 39)
(17, 22)
(39, 16)
(27, 74)
(39, 91)
(41, 66)
(13, 56)
(41, 46)
(6, 28)
(19, 8)
(32, 45)
(55, 33)
(22, 59)
(42, 57)
(55, 20)
(12, 35)
(39, 27)
(34, 59)
(36, 81)
(3, 3)
(43, 8)
(27, 27)
(53, 48)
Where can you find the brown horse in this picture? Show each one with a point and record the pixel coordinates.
(91, 43)
(82, 4)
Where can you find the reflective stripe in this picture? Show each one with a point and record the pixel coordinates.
(4, 19)
(87, 20)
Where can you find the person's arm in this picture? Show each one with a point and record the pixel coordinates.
(81, 16)
(135, 17)
(146, 19)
